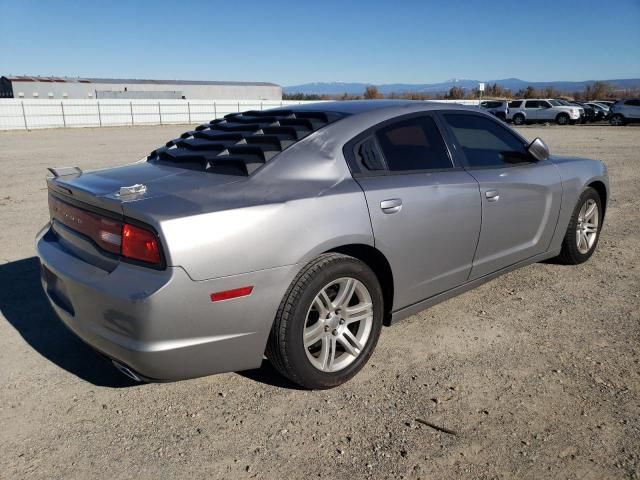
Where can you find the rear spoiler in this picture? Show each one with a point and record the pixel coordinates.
(65, 171)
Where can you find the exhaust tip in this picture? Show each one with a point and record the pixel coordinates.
(126, 370)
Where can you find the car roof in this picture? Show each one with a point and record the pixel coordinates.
(352, 107)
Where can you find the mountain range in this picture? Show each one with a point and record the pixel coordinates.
(513, 84)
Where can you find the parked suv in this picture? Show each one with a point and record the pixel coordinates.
(543, 110)
(625, 111)
(499, 108)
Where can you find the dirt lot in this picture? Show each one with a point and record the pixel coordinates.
(537, 372)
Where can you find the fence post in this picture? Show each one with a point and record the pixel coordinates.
(64, 120)
(238, 107)
(24, 116)
(131, 108)
(261, 106)
(160, 113)
(189, 112)
(215, 110)
(99, 114)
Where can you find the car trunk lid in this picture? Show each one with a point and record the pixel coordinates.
(83, 203)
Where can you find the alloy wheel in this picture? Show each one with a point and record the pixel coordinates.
(338, 324)
(587, 227)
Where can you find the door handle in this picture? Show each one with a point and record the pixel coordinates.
(393, 205)
(492, 195)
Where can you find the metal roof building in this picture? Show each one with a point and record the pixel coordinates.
(103, 88)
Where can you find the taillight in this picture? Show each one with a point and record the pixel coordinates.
(140, 244)
(105, 231)
(111, 235)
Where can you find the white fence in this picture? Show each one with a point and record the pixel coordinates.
(17, 114)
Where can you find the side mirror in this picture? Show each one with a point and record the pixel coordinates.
(538, 150)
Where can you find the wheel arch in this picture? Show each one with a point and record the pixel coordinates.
(600, 187)
(375, 260)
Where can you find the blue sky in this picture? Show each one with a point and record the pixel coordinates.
(293, 42)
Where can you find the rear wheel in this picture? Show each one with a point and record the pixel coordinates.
(583, 231)
(617, 120)
(518, 119)
(562, 119)
(328, 322)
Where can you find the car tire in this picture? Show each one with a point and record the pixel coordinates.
(562, 119)
(518, 119)
(617, 120)
(574, 251)
(302, 317)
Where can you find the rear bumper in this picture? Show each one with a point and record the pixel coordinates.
(161, 324)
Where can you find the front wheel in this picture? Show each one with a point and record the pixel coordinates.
(583, 231)
(562, 119)
(328, 322)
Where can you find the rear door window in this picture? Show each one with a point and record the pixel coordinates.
(413, 144)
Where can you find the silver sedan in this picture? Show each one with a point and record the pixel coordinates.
(297, 233)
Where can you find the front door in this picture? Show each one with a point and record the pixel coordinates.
(520, 197)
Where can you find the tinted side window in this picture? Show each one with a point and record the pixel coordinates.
(633, 103)
(486, 143)
(413, 144)
(531, 104)
(515, 104)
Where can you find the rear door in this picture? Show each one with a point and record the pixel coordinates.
(520, 197)
(532, 109)
(424, 208)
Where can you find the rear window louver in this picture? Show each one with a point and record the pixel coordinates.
(240, 143)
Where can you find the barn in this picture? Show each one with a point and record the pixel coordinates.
(114, 88)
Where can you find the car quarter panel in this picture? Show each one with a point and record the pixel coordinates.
(262, 236)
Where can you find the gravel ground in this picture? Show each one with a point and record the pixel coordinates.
(537, 373)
